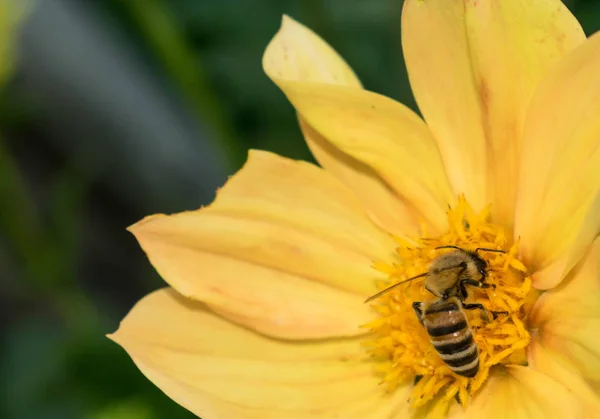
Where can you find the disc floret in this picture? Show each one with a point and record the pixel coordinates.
(400, 343)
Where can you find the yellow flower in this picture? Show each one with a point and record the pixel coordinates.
(265, 317)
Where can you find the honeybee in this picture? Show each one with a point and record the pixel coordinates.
(448, 277)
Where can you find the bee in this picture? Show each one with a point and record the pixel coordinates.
(448, 277)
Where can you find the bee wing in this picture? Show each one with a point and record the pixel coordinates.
(392, 287)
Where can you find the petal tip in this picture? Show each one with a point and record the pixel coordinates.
(136, 227)
(296, 53)
(286, 20)
(289, 29)
(291, 26)
(113, 337)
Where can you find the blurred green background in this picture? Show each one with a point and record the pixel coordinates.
(116, 109)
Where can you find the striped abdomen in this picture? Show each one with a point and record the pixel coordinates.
(451, 336)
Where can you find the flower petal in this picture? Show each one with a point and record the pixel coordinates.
(285, 248)
(473, 67)
(217, 370)
(517, 392)
(568, 319)
(558, 367)
(557, 216)
(299, 54)
(381, 203)
(372, 129)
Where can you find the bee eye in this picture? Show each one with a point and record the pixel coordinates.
(481, 265)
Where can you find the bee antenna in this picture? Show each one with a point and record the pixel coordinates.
(485, 249)
(448, 247)
(392, 287)
(479, 249)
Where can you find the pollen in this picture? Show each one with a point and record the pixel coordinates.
(399, 343)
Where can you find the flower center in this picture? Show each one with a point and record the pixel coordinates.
(446, 329)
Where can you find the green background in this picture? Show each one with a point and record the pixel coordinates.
(71, 143)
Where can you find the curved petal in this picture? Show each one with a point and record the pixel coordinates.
(517, 392)
(473, 67)
(558, 215)
(218, 370)
(299, 54)
(374, 130)
(285, 249)
(382, 204)
(567, 320)
(558, 367)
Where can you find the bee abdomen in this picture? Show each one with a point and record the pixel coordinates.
(459, 352)
(468, 370)
(454, 346)
(462, 358)
(447, 329)
(452, 339)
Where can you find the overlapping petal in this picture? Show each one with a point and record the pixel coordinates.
(560, 368)
(299, 54)
(219, 370)
(567, 319)
(285, 249)
(473, 67)
(557, 215)
(373, 130)
(519, 392)
(383, 205)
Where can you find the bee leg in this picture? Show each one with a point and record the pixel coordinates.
(481, 307)
(497, 313)
(418, 307)
(477, 306)
(474, 306)
(463, 286)
(484, 284)
(457, 398)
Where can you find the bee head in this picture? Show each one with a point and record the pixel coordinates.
(480, 264)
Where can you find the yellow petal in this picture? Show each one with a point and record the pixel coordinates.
(586, 230)
(373, 130)
(567, 319)
(517, 392)
(436, 53)
(561, 369)
(557, 216)
(383, 206)
(473, 67)
(218, 370)
(299, 54)
(285, 248)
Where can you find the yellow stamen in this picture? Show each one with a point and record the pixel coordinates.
(400, 343)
